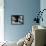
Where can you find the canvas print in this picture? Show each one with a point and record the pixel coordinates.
(17, 19)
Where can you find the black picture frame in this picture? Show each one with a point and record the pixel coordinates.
(17, 19)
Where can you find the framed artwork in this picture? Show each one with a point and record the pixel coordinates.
(17, 19)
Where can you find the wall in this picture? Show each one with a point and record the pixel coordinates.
(21, 7)
(1, 20)
(43, 6)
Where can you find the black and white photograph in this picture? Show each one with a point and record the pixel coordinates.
(17, 19)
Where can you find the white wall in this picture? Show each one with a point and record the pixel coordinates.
(1, 20)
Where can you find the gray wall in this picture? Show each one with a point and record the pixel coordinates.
(43, 6)
(28, 8)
